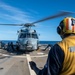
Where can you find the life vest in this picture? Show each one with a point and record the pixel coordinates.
(68, 46)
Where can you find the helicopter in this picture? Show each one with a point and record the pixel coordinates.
(28, 39)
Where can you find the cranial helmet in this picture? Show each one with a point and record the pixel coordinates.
(66, 26)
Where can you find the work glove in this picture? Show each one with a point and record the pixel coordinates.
(32, 65)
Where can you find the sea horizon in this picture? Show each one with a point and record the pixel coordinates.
(40, 41)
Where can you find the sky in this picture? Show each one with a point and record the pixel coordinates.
(28, 11)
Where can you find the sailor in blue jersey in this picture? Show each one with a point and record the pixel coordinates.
(61, 57)
(54, 62)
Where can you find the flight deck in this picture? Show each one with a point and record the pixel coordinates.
(17, 63)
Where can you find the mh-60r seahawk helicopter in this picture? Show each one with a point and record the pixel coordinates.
(27, 37)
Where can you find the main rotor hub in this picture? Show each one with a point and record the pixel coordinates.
(29, 25)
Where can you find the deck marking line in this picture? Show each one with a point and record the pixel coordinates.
(23, 56)
(28, 60)
(40, 53)
(40, 56)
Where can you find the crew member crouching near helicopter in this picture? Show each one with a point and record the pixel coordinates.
(17, 46)
(61, 58)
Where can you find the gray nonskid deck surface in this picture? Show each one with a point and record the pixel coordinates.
(12, 64)
(40, 61)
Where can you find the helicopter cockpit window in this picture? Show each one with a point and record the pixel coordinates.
(34, 36)
(28, 36)
(23, 36)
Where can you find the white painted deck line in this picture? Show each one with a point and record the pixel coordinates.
(28, 60)
(40, 53)
(21, 56)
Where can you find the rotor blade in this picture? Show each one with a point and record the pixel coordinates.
(13, 24)
(63, 13)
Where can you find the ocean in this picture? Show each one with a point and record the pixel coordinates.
(41, 42)
(48, 42)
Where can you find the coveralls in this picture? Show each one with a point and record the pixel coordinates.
(61, 58)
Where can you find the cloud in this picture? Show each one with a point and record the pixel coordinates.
(8, 35)
(8, 32)
(10, 14)
(14, 14)
(32, 11)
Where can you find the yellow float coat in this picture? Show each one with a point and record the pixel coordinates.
(68, 46)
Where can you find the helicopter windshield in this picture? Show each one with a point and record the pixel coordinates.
(22, 35)
(28, 35)
(34, 36)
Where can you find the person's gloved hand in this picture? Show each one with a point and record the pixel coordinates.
(32, 64)
(34, 67)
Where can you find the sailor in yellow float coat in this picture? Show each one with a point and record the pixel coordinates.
(61, 57)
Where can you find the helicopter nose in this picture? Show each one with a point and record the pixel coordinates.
(28, 42)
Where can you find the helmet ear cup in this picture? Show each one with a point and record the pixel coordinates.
(59, 30)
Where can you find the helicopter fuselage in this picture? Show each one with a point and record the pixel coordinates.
(28, 39)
